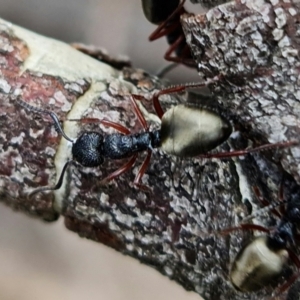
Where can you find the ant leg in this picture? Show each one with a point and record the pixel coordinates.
(184, 53)
(247, 226)
(158, 109)
(178, 89)
(138, 112)
(116, 126)
(141, 172)
(120, 171)
(104, 122)
(163, 28)
(171, 90)
(264, 202)
(258, 195)
(58, 184)
(247, 151)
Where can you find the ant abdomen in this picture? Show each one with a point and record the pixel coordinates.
(188, 131)
(158, 11)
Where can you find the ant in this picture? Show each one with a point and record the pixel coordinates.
(265, 257)
(187, 130)
(167, 14)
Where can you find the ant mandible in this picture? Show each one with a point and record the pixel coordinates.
(187, 130)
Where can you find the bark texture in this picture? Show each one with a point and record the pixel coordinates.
(170, 228)
(254, 46)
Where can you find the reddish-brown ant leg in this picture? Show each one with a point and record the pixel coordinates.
(246, 227)
(258, 195)
(160, 31)
(185, 52)
(120, 171)
(158, 109)
(138, 112)
(247, 151)
(176, 89)
(163, 29)
(104, 122)
(171, 90)
(264, 202)
(116, 126)
(141, 173)
(169, 26)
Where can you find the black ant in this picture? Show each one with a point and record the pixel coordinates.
(188, 130)
(265, 257)
(167, 15)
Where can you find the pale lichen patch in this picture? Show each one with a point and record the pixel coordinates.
(284, 42)
(281, 18)
(18, 139)
(5, 87)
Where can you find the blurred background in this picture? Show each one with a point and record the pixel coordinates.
(46, 261)
(119, 27)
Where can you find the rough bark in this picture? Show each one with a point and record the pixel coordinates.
(254, 46)
(168, 229)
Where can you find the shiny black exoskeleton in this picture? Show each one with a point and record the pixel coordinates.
(91, 148)
(157, 11)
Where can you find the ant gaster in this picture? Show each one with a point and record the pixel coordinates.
(167, 14)
(264, 258)
(188, 130)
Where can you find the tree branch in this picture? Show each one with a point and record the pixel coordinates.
(172, 228)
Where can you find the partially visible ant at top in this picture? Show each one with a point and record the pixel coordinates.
(187, 130)
(263, 259)
(166, 14)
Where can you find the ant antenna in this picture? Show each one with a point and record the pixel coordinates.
(58, 184)
(54, 117)
(166, 69)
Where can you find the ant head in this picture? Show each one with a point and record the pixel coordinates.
(87, 150)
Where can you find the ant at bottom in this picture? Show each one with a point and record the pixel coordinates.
(187, 130)
(263, 259)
